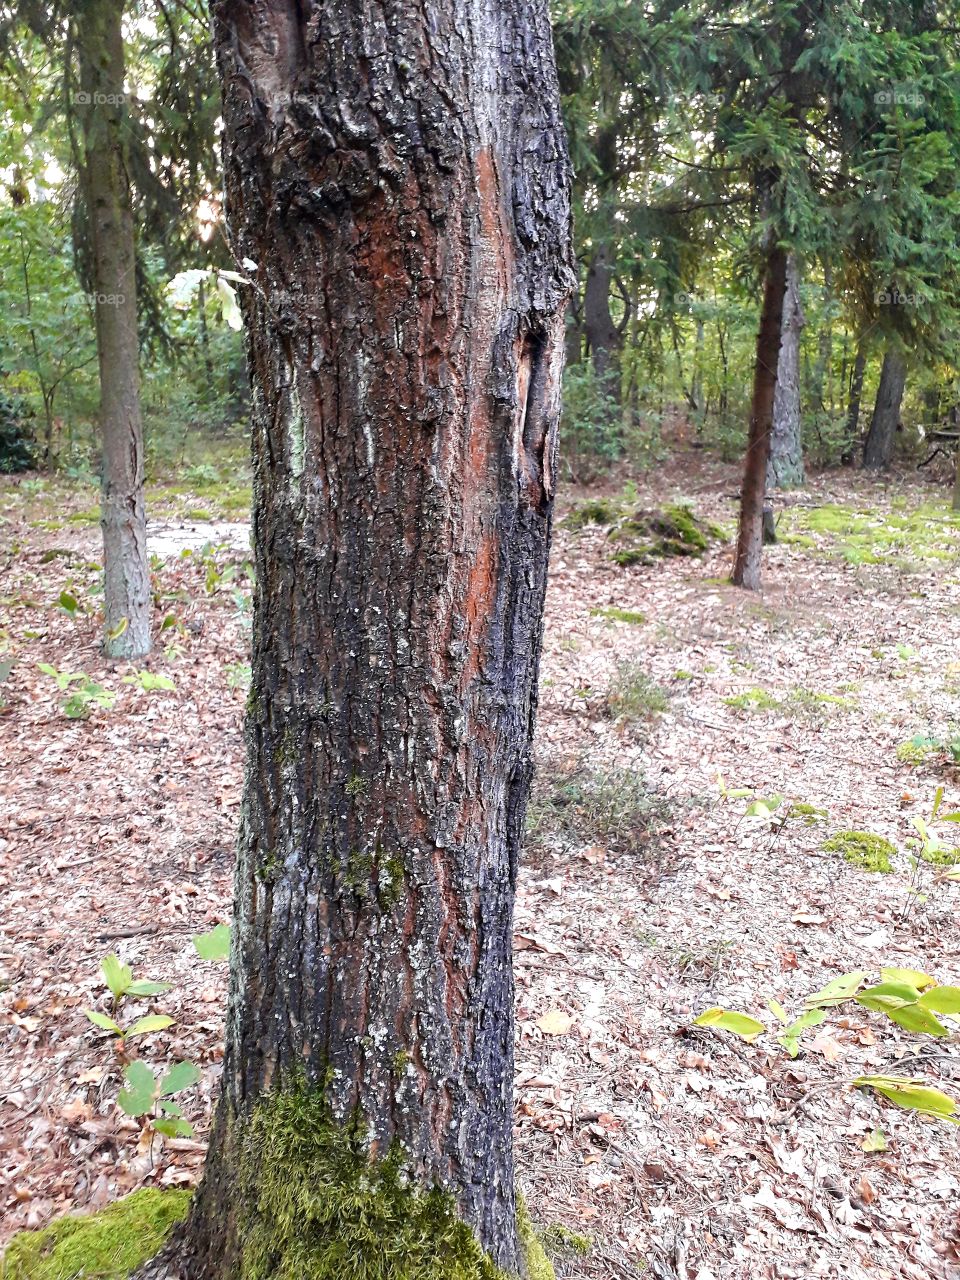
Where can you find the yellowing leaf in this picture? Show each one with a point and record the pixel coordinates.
(911, 1095)
(741, 1024)
(912, 977)
(874, 1141)
(555, 1023)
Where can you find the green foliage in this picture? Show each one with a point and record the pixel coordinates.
(214, 945)
(145, 1096)
(109, 1245)
(120, 981)
(633, 695)
(862, 849)
(316, 1204)
(83, 694)
(587, 806)
(150, 681)
(909, 998)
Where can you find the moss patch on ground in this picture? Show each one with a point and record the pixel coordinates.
(862, 849)
(930, 533)
(102, 1246)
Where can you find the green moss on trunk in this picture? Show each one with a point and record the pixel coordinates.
(310, 1202)
(101, 1246)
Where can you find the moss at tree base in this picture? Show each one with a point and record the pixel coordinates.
(308, 1203)
(101, 1246)
(296, 1195)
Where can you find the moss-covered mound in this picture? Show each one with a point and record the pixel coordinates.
(102, 1246)
(862, 849)
(644, 536)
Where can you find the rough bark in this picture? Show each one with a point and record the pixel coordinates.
(878, 447)
(785, 467)
(398, 173)
(853, 404)
(603, 337)
(746, 571)
(106, 190)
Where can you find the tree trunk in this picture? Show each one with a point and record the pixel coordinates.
(785, 468)
(602, 334)
(106, 190)
(878, 449)
(853, 405)
(398, 173)
(746, 571)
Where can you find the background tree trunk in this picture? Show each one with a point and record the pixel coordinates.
(746, 571)
(785, 468)
(878, 448)
(853, 404)
(603, 337)
(399, 174)
(106, 190)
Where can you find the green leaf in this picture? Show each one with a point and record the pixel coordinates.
(173, 1128)
(741, 1024)
(778, 1011)
(912, 977)
(214, 945)
(790, 1037)
(152, 1022)
(180, 1076)
(137, 1098)
(941, 1000)
(103, 1022)
(888, 995)
(69, 602)
(118, 976)
(950, 817)
(911, 1095)
(835, 992)
(875, 1141)
(169, 1108)
(912, 1017)
(116, 632)
(141, 988)
(937, 802)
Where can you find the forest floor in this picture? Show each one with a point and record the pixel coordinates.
(648, 895)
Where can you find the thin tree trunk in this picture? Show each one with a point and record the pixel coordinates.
(746, 572)
(853, 404)
(878, 448)
(785, 467)
(105, 184)
(399, 174)
(602, 334)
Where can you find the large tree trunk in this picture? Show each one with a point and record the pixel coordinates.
(853, 404)
(398, 173)
(603, 337)
(878, 448)
(746, 571)
(106, 190)
(785, 467)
